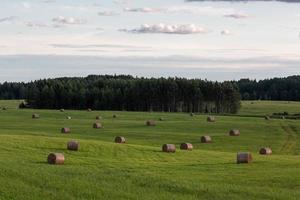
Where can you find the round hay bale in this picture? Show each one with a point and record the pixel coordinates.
(161, 119)
(244, 158)
(97, 125)
(35, 116)
(169, 148)
(73, 145)
(211, 119)
(98, 117)
(65, 130)
(56, 159)
(68, 117)
(114, 116)
(192, 114)
(120, 140)
(62, 110)
(206, 139)
(150, 123)
(89, 110)
(267, 117)
(234, 132)
(265, 151)
(186, 146)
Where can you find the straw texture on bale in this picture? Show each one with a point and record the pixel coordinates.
(65, 130)
(120, 140)
(35, 116)
(211, 119)
(267, 117)
(244, 158)
(206, 139)
(73, 145)
(169, 148)
(234, 132)
(56, 159)
(97, 125)
(150, 123)
(186, 146)
(265, 151)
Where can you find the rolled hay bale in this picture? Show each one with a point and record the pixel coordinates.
(98, 117)
(234, 132)
(65, 130)
(169, 148)
(150, 123)
(97, 125)
(244, 158)
(62, 110)
(192, 114)
(265, 151)
(211, 119)
(267, 117)
(56, 159)
(89, 110)
(68, 117)
(120, 140)
(73, 145)
(35, 116)
(161, 119)
(186, 146)
(206, 139)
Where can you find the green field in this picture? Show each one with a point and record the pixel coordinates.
(138, 169)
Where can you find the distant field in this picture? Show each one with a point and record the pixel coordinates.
(269, 107)
(138, 169)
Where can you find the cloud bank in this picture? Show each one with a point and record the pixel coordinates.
(68, 20)
(168, 29)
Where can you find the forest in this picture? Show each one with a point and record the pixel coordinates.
(277, 89)
(128, 93)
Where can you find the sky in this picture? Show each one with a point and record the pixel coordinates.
(216, 40)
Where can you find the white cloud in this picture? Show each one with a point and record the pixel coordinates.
(107, 13)
(168, 29)
(143, 10)
(237, 15)
(36, 24)
(197, 10)
(226, 32)
(203, 10)
(68, 20)
(26, 5)
(8, 19)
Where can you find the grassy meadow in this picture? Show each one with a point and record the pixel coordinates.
(138, 169)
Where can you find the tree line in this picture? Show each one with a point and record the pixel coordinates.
(128, 93)
(280, 89)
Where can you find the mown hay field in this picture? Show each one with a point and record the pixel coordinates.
(138, 169)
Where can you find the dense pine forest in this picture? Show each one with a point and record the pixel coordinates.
(127, 93)
(149, 94)
(280, 89)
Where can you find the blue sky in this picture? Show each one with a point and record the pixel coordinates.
(214, 40)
